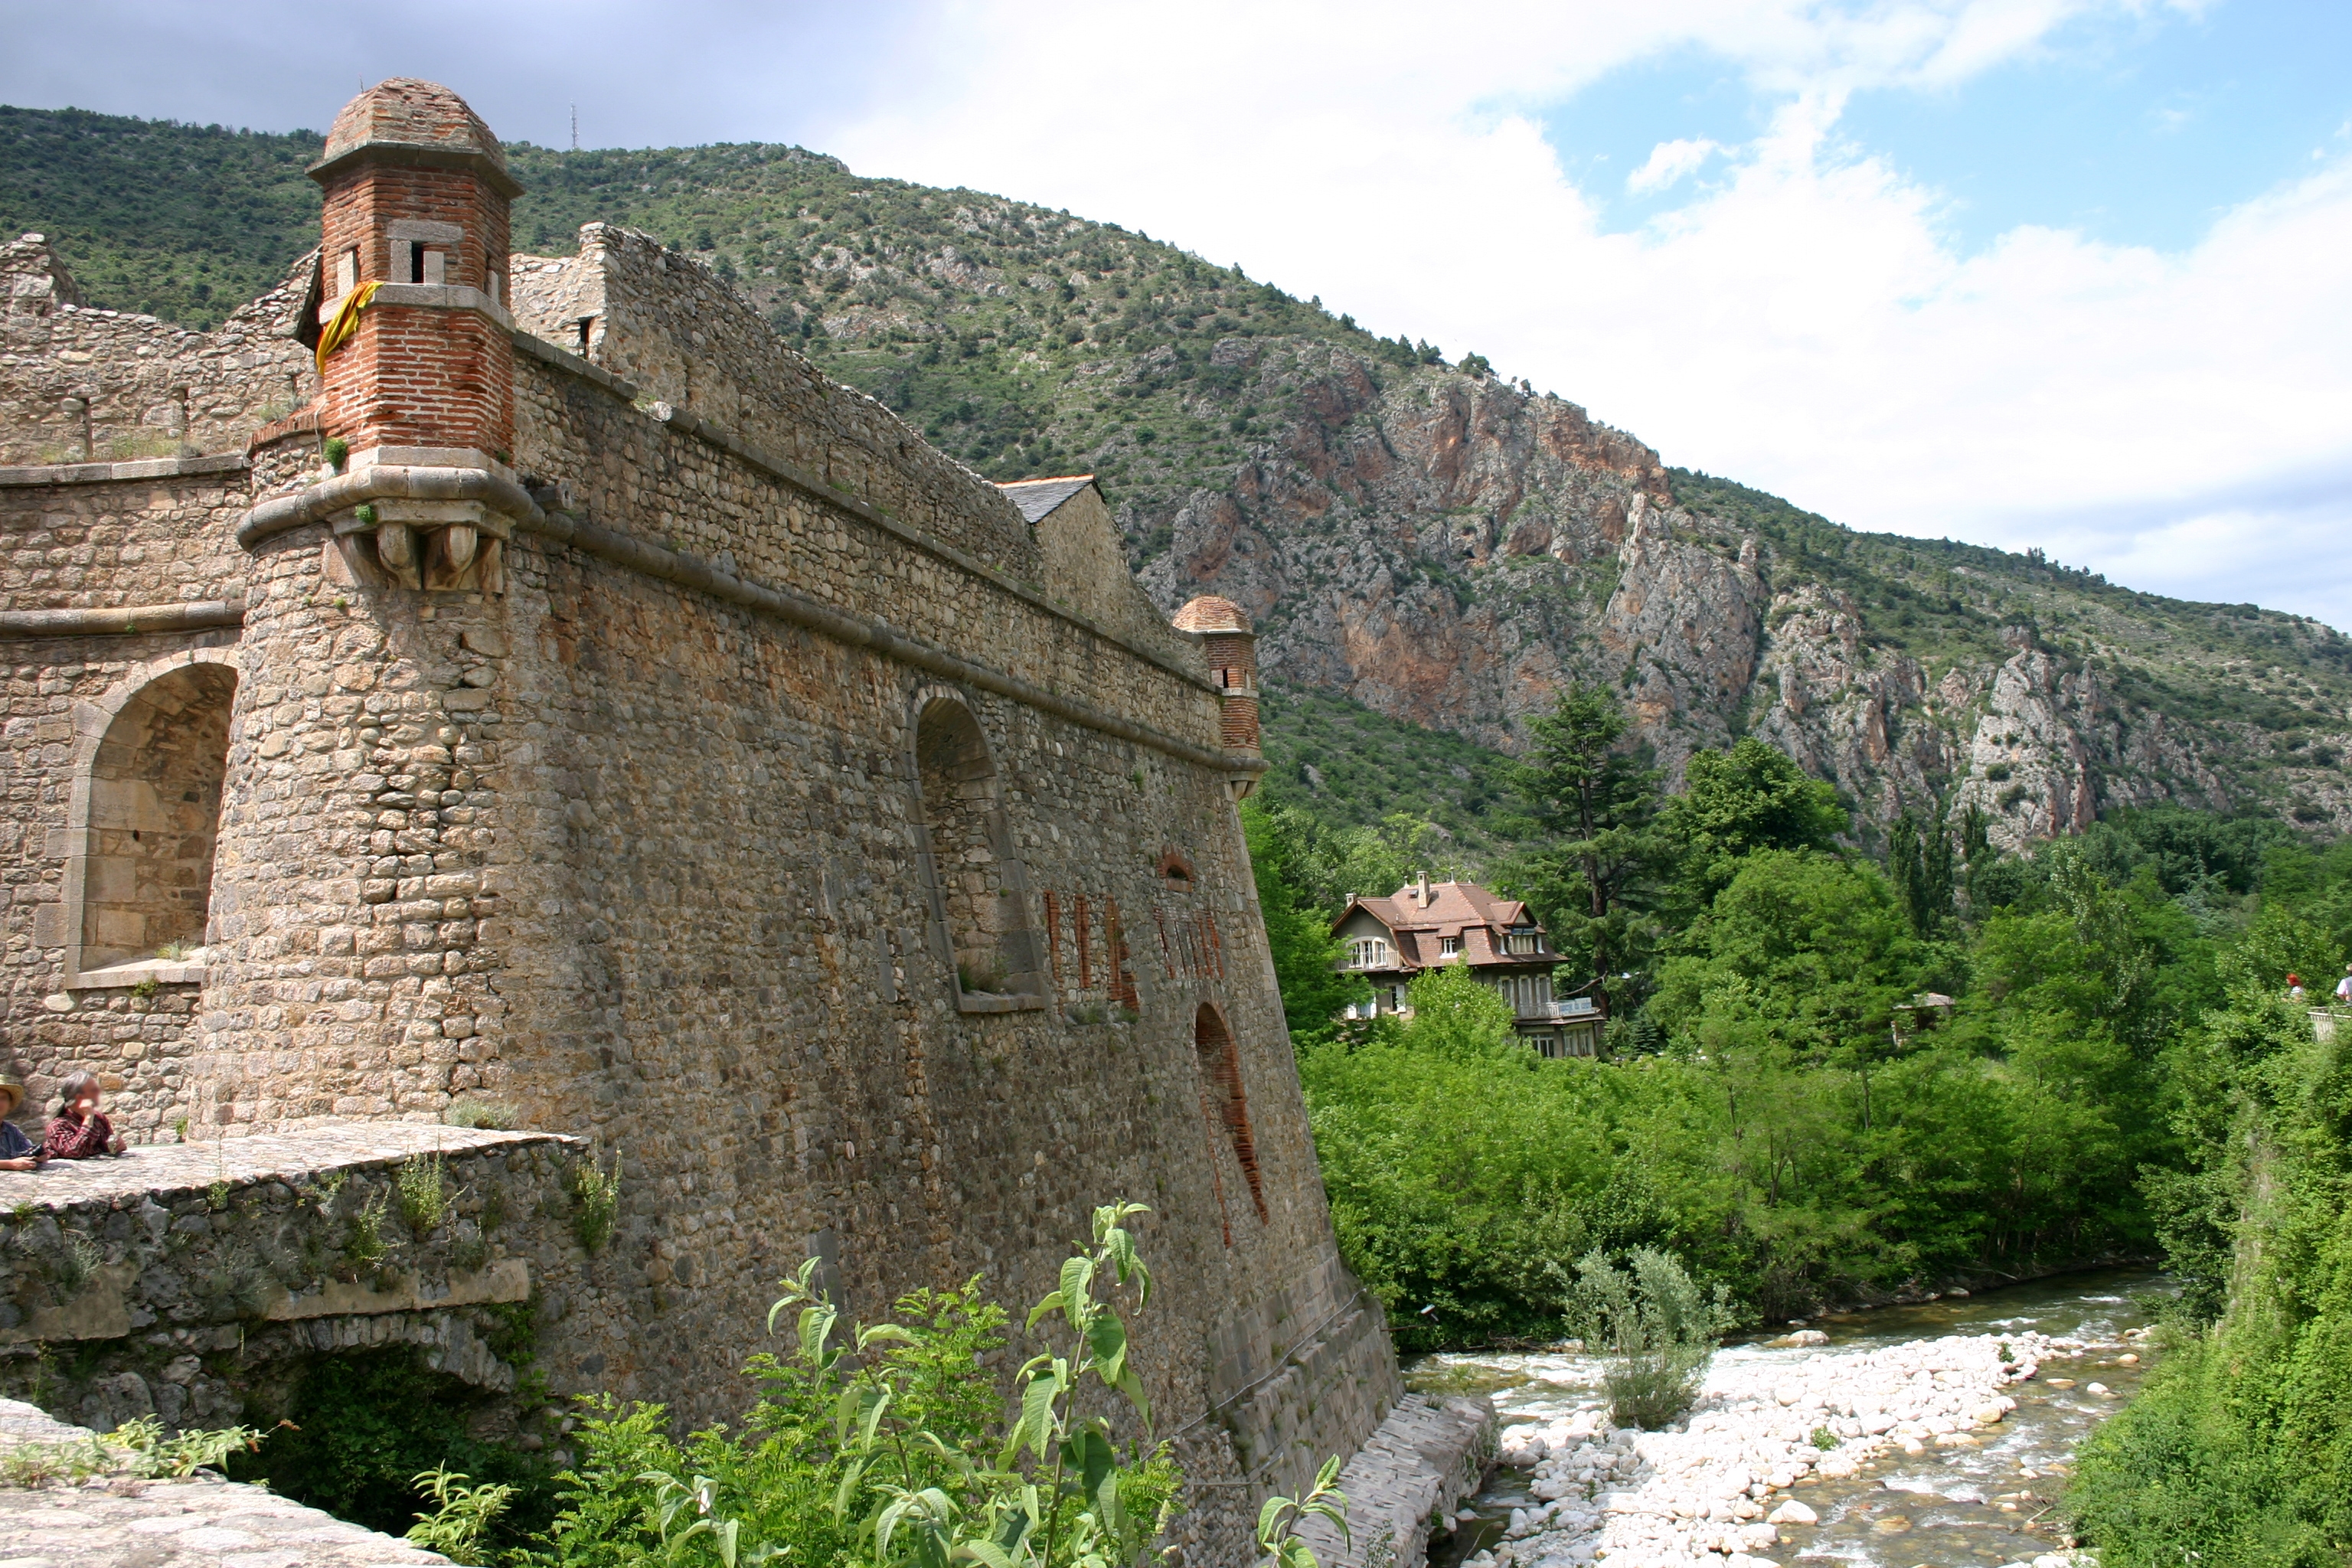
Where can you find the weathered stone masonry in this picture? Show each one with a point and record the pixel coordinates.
(667, 742)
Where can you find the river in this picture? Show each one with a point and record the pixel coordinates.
(1977, 1492)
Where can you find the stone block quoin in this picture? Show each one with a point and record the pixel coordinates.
(417, 197)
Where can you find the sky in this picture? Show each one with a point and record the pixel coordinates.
(2071, 274)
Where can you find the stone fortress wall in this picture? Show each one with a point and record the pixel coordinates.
(692, 760)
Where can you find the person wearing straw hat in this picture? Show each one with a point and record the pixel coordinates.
(18, 1152)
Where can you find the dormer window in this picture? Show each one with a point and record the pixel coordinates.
(1448, 946)
(1525, 941)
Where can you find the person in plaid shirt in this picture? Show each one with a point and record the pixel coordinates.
(79, 1131)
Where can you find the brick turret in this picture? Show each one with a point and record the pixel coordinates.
(1231, 646)
(417, 201)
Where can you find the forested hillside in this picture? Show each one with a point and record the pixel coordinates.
(1424, 541)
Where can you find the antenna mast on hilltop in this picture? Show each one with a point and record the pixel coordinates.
(575, 128)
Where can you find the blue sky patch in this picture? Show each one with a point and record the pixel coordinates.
(2133, 132)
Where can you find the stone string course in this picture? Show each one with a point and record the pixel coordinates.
(654, 867)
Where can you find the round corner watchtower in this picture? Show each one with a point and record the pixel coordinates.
(417, 196)
(1230, 645)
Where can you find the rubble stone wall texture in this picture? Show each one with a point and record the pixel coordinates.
(78, 385)
(653, 866)
(194, 1282)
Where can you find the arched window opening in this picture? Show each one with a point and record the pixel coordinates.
(979, 883)
(1225, 1105)
(154, 820)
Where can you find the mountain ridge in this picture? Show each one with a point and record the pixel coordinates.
(1440, 545)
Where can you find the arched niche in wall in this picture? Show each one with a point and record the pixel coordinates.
(979, 890)
(1224, 1104)
(153, 758)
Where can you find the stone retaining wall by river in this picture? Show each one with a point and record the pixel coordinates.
(1935, 1436)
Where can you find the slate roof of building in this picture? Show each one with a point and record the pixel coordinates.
(1461, 909)
(1038, 498)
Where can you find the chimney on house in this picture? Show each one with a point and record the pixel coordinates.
(1424, 889)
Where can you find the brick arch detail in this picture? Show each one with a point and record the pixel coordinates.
(1225, 1106)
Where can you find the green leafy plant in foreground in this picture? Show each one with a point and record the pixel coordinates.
(137, 1449)
(459, 1525)
(884, 1446)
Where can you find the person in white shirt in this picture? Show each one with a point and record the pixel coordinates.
(2344, 986)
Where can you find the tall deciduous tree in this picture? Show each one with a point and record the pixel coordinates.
(1749, 798)
(1597, 881)
(1920, 863)
(1306, 953)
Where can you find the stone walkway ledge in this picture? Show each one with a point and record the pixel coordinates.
(1425, 1458)
(269, 1156)
(121, 1521)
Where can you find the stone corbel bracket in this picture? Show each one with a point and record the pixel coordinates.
(439, 528)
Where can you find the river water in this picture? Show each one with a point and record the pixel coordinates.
(1945, 1507)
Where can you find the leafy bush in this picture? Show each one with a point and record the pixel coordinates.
(2239, 1450)
(364, 1424)
(1656, 1328)
(596, 1201)
(885, 1448)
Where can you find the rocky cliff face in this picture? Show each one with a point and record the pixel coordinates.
(1450, 550)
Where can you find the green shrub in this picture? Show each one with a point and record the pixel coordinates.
(596, 1201)
(423, 1188)
(1655, 1327)
(881, 1446)
(365, 1424)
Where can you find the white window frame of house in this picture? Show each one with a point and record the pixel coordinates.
(1368, 953)
(1448, 946)
(1525, 942)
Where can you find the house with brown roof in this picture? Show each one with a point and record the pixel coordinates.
(1428, 925)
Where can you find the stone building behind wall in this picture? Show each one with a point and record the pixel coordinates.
(638, 731)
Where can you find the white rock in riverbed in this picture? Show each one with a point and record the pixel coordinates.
(1691, 1497)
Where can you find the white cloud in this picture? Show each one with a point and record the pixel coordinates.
(1802, 322)
(1669, 163)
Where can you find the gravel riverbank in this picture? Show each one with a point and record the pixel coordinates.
(1799, 1448)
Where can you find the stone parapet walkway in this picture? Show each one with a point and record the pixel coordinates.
(164, 1168)
(120, 1521)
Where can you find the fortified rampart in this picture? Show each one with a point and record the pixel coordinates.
(641, 733)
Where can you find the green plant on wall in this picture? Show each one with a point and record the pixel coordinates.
(424, 1187)
(367, 1245)
(596, 1201)
(881, 1446)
